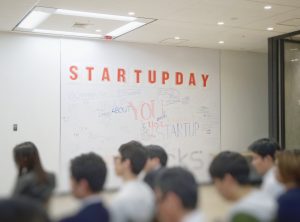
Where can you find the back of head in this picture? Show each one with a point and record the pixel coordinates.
(21, 210)
(27, 153)
(155, 151)
(136, 153)
(265, 147)
(181, 182)
(289, 166)
(90, 167)
(232, 163)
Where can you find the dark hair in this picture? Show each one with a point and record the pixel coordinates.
(181, 182)
(155, 151)
(90, 167)
(232, 163)
(22, 210)
(136, 153)
(265, 147)
(28, 153)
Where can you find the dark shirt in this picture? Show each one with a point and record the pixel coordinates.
(28, 185)
(151, 177)
(289, 206)
(95, 212)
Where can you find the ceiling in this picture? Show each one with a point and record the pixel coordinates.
(194, 21)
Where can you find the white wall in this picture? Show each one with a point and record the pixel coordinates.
(30, 97)
(244, 99)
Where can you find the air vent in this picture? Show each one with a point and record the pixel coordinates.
(79, 25)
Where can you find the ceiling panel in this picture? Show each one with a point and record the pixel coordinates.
(277, 22)
(12, 11)
(164, 29)
(149, 9)
(194, 20)
(232, 12)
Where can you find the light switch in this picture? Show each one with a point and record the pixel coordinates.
(15, 127)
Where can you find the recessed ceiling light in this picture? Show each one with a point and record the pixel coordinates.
(131, 13)
(270, 28)
(220, 23)
(267, 7)
(176, 37)
(125, 28)
(94, 15)
(33, 19)
(39, 14)
(55, 32)
(221, 42)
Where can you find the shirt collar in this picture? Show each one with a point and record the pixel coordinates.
(92, 199)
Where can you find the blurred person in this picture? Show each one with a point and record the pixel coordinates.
(263, 153)
(135, 200)
(88, 174)
(22, 209)
(32, 180)
(156, 161)
(230, 174)
(288, 173)
(177, 196)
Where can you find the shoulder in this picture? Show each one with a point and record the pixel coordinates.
(141, 189)
(96, 209)
(134, 186)
(69, 219)
(270, 181)
(252, 206)
(51, 178)
(94, 212)
(27, 178)
(289, 196)
(134, 192)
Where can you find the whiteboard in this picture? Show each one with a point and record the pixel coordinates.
(112, 93)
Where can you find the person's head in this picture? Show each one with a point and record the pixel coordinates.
(157, 157)
(288, 166)
(176, 192)
(88, 174)
(263, 154)
(229, 170)
(22, 210)
(27, 158)
(131, 159)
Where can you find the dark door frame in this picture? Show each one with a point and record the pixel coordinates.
(276, 85)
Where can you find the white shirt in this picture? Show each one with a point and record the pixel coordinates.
(194, 216)
(257, 204)
(271, 185)
(93, 199)
(135, 202)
